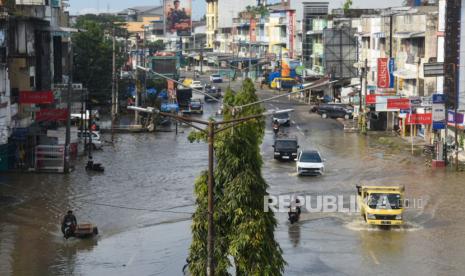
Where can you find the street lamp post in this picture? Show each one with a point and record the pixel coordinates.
(213, 128)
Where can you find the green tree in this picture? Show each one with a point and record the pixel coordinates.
(347, 5)
(155, 46)
(244, 231)
(93, 48)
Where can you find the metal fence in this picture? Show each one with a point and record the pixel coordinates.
(50, 158)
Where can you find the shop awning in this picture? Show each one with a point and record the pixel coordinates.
(63, 31)
(405, 35)
(315, 32)
(379, 35)
(362, 34)
(405, 74)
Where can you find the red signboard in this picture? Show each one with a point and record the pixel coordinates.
(419, 119)
(52, 115)
(398, 104)
(35, 97)
(385, 73)
(371, 99)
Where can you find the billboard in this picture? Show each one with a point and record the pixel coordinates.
(178, 17)
(385, 73)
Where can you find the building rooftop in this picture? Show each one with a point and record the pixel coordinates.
(151, 10)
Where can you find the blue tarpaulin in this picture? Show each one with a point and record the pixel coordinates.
(169, 107)
(151, 91)
(273, 76)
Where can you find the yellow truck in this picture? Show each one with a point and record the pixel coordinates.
(381, 205)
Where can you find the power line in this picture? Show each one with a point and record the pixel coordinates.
(135, 208)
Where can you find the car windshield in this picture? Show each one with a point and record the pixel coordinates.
(281, 115)
(310, 157)
(286, 144)
(384, 201)
(216, 76)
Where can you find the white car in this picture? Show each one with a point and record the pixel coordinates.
(216, 78)
(197, 85)
(310, 163)
(96, 139)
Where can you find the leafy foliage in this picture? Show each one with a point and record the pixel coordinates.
(155, 46)
(347, 5)
(244, 231)
(93, 47)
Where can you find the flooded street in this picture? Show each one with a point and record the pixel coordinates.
(143, 202)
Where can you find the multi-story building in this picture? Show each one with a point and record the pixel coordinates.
(33, 52)
(313, 47)
(282, 32)
(5, 104)
(220, 14)
(414, 44)
(314, 18)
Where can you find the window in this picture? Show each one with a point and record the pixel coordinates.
(382, 44)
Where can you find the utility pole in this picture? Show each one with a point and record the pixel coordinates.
(364, 116)
(136, 117)
(113, 89)
(68, 107)
(360, 101)
(211, 184)
(201, 60)
(390, 35)
(212, 128)
(250, 58)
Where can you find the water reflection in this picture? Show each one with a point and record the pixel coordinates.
(294, 234)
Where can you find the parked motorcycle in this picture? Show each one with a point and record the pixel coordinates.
(96, 167)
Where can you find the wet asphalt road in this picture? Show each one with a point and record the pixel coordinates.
(142, 205)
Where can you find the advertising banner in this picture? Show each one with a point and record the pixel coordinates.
(291, 25)
(382, 103)
(415, 102)
(398, 103)
(452, 118)
(171, 90)
(178, 17)
(285, 63)
(371, 98)
(385, 73)
(52, 115)
(419, 119)
(439, 116)
(36, 97)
